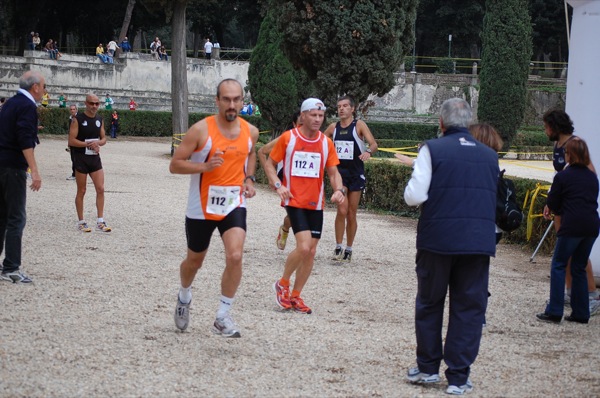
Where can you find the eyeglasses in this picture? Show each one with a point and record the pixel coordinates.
(235, 100)
(93, 103)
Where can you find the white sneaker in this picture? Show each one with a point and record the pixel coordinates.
(414, 375)
(594, 307)
(226, 327)
(182, 314)
(455, 390)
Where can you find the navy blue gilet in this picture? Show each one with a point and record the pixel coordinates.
(459, 214)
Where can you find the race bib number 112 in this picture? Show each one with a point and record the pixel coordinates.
(306, 164)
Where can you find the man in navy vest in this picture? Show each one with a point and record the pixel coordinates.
(18, 138)
(454, 181)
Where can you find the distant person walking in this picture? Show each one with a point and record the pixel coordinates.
(208, 47)
(114, 124)
(18, 139)
(72, 114)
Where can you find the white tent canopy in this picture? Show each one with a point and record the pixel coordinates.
(583, 84)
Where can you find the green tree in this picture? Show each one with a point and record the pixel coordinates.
(549, 30)
(347, 47)
(505, 65)
(436, 19)
(276, 86)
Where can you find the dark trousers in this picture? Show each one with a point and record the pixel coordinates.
(466, 277)
(578, 249)
(13, 194)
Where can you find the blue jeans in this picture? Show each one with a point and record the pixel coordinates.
(13, 194)
(578, 248)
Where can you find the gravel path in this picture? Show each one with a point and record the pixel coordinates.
(98, 321)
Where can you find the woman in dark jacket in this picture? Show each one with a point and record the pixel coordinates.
(573, 196)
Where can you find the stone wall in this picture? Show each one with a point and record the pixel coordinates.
(416, 96)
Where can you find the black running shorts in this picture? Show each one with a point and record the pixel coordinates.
(199, 232)
(306, 220)
(86, 164)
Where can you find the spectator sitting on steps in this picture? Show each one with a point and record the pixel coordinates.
(103, 57)
(37, 41)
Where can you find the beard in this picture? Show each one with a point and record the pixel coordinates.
(230, 117)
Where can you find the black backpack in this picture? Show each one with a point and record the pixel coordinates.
(509, 215)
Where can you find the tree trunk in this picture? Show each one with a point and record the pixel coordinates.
(126, 20)
(179, 86)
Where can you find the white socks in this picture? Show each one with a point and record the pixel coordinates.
(185, 295)
(224, 306)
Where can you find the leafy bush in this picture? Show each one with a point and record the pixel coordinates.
(402, 131)
(137, 124)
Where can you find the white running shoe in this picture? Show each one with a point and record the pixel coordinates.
(455, 390)
(15, 277)
(414, 375)
(226, 327)
(182, 314)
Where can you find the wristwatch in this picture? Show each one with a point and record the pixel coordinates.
(368, 150)
(252, 178)
(277, 185)
(342, 190)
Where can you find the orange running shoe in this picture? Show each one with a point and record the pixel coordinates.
(299, 306)
(282, 296)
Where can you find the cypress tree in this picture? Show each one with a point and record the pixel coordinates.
(507, 49)
(276, 86)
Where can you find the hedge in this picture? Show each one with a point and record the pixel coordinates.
(131, 123)
(386, 181)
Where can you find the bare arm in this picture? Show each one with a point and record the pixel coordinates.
(251, 169)
(405, 160)
(365, 133)
(265, 150)
(335, 179)
(73, 131)
(194, 138)
(330, 130)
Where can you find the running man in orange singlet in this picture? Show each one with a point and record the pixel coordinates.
(306, 154)
(218, 152)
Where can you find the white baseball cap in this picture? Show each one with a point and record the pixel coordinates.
(310, 104)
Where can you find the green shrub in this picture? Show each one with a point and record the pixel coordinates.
(137, 124)
(402, 131)
(531, 138)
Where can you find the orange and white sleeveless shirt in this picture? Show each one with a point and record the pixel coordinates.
(304, 164)
(216, 193)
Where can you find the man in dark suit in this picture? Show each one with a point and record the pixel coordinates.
(18, 138)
